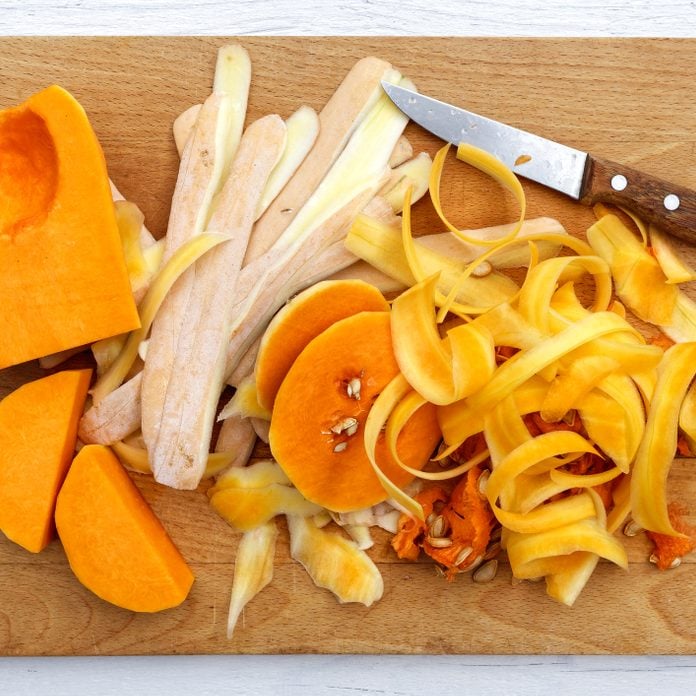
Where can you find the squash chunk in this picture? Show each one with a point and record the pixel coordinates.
(115, 544)
(317, 423)
(64, 281)
(38, 430)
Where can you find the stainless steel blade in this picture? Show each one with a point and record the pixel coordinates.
(549, 163)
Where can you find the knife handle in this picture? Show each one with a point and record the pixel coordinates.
(670, 207)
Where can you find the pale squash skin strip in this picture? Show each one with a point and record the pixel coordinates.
(334, 563)
(253, 569)
(146, 238)
(403, 151)
(238, 437)
(353, 98)
(202, 169)
(115, 417)
(179, 452)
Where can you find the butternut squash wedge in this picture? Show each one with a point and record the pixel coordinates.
(301, 320)
(317, 422)
(38, 431)
(115, 544)
(64, 281)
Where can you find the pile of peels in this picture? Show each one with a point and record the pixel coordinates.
(559, 419)
(580, 413)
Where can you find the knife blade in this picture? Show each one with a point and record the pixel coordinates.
(583, 177)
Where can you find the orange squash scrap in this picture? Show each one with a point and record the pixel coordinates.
(115, 544)
(462, 518)
(38, 430)
(301, 320)
(319, 413)
(411, 530)
(668, 550)
(64, 281)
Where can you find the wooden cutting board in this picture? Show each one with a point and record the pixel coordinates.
(628, 100)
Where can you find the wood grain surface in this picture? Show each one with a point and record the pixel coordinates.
(626, 100)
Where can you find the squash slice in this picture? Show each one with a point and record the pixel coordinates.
(301, 320)
(317, 428)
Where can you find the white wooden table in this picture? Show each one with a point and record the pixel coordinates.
(203, 675)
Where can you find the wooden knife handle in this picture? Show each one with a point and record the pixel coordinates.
(668, 206)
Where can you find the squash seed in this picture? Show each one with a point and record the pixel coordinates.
(631, 528)
(486, 572)
(438, 527)
(352, 429)
(492, 551)
(345, 424)
(353, 388)
(482, 483)
(439, 542)
(340, 447)
(463, 555)
(482, 270)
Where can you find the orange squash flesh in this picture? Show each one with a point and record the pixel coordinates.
(301, 320)
(313, 399)
(469, 524)
(38, 431)
(64, 281)
(115, 544)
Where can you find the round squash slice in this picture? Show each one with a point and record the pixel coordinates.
(301, 320)
(317, 423)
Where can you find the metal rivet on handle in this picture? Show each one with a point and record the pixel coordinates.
(671, 201)
(619, 182)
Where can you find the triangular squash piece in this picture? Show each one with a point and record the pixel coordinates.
(116, 545)
(38, 430)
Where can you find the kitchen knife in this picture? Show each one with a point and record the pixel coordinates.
(578, 174)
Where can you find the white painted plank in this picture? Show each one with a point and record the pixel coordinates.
(676, 18)
(383, 675)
